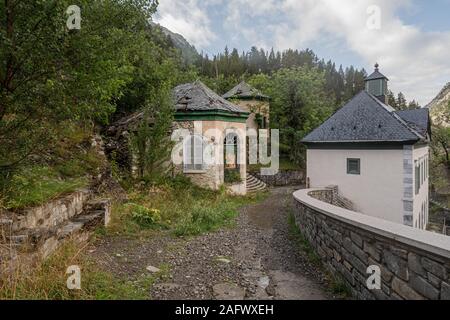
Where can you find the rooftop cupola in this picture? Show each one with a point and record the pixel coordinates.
(376, 84)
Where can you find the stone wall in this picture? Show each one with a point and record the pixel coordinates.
(37, 232)
(51, 213)
(331, 195)
(414, 264)
(255, 107)
(282, 178)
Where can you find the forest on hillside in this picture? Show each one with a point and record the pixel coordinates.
(341, 84)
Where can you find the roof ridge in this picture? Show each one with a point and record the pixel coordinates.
(244, 89)
(211, 100)
(395, 116)
(355, 121)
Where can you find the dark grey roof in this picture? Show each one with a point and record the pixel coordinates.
(419, 119)
(197, 96)
(376, 75)
(364, 119)
(244, 90)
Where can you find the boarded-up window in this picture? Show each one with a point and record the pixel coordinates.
(193, 153)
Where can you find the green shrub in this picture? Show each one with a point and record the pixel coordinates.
(184, 208)
(232, 176)
(144, 216)
(203, 217)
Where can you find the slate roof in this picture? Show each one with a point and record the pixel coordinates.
(364, 119)
(376, 74)
(197, 96)
(418, 119)
(244, 90)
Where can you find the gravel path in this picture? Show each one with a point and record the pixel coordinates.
(256, 259)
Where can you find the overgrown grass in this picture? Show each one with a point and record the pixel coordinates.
(35, 185)
(336, 285)
(303, 243)
(177, 205)
(339, 288)
(63, 168)
(48, 280)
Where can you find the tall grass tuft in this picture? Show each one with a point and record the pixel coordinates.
(47, 280)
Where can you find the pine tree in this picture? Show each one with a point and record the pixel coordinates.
(401, 102)
(391, 100)
(413, 105)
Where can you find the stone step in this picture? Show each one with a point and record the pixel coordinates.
(256, 189)
(6, 222)
(17, 239)
(255, 184)
(252, 191)
(32, 240)
(253, 179)
(259, 186)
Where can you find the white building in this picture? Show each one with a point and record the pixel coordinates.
(377, 156)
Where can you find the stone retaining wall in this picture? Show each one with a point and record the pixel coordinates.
(38, 232)
(51, 213)
(414, 264)
(282, 178)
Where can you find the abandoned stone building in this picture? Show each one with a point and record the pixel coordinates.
(252, 101)
(210, 133)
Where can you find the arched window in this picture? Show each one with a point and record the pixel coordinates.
(193, 153)
(231, 151)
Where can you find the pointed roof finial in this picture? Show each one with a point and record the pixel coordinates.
(376, 74)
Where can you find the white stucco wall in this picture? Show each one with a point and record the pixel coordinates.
(377, 191)
(421, 156)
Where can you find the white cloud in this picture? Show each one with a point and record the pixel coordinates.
(415, 61)
(188, 18)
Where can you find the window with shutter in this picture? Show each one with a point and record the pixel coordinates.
(354, 166)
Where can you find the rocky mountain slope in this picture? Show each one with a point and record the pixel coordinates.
(439, 106)
(188, 51)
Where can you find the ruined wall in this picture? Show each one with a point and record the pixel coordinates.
(282, 178)
(414, 264)
(213, 132)
(51, 213)
(255, 107)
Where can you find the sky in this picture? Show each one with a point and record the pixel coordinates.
(410, 39)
